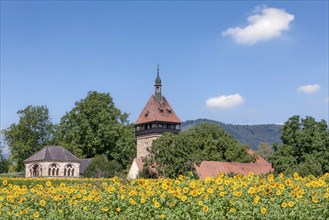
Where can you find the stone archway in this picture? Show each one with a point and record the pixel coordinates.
(35, 170)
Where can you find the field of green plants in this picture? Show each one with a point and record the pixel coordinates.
(224, 197)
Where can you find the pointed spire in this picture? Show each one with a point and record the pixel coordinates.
(158, 85)
(158, 80)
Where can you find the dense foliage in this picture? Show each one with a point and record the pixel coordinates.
(251, 135)
(124, 150)
(3, 164)
(173, 155)
(96, 126)
(102, 167)
(33, 131)
(223, 197)
(305, 147)
(92, 127)
(264, 150)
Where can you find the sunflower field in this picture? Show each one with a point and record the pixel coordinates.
(223, 197)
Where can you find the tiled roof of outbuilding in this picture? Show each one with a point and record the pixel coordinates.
(52, 153)
(157, 111)
(84, 163)
(213, 168)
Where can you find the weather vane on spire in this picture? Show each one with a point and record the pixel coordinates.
(158, 66)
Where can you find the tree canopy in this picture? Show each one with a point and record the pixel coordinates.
(3, 161)
(124, 150)
(102, 167)
(264, 150)
(178, 154)
(304, 148)
(95, 126)
(33, 131)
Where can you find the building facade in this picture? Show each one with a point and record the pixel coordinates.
(54, 161)
(156, 118)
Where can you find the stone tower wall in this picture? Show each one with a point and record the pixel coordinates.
(144, 142)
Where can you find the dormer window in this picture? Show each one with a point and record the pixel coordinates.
(160, 109)
(169, 110)
(147, 113)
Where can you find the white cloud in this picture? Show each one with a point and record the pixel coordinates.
(224, 102)
(307, 89)
(264, 25)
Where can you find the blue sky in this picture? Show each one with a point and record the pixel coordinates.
(240, 62)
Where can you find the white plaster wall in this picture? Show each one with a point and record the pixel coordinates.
(133, 171)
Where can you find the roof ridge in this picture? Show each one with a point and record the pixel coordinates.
(47, 152)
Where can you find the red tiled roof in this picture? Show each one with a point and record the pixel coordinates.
(139, 163)
(213, 168)
(156, 111)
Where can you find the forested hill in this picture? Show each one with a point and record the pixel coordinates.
(251, 135)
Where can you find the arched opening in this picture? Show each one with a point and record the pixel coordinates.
(53, 169)
(35, 170)
(69, 170)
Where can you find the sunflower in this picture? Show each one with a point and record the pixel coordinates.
(156, 205)
(284, 205)
(205, 208)
(291, 204)
(36, 214)
(263, 210)
(42, 203)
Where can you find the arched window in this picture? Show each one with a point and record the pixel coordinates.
(35, 170)
(69, 170)
(53, 169)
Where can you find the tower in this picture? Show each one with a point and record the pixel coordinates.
(156, 118)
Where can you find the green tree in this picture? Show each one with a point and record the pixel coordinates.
(212, 142)
(264, 150)
(304, 149)
(92, 127)
(102, 167)
(3, 161)
(125, 148)
(178, 154)
(33, 131)
(3, 164)
(171, 155)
